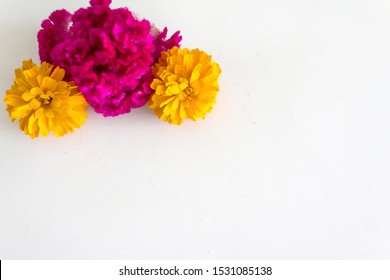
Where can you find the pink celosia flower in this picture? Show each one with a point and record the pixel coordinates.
(163, 44)
(107, 52)
(54, 31)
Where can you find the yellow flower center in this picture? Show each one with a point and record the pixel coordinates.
(45, 99)
(187, 93)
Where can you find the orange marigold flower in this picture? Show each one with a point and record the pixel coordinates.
(185, 84)
(43, 102)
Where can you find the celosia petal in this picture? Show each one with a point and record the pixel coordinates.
(100, 2)
(52, 33)
(162, 44)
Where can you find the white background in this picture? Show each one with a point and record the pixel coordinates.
(293, 162)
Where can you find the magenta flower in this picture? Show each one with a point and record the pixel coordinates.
(107, 52)
(163, 45)
(54, 31)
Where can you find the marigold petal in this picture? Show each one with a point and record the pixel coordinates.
(175, 104)
(20, 82)
(27, 96)
(58, 74)
(14, 100)
(35, 104)
(43, 126)
(49, 84)
(20, 112)
(156, 83)
(167, 101)
(194, 76)
(27, 64)
(49, 113)
(181, 71)
(160, 90)
(33, 127)
(188, 62)
(183, 112)
(176, 89)
(56, 102)
(30, 78)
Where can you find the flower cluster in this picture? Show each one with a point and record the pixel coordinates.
(106, 52)
(113, 61)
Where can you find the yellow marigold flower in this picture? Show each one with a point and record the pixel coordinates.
(185, 85)
(43, 102)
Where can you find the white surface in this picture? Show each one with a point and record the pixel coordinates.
(293, 163)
